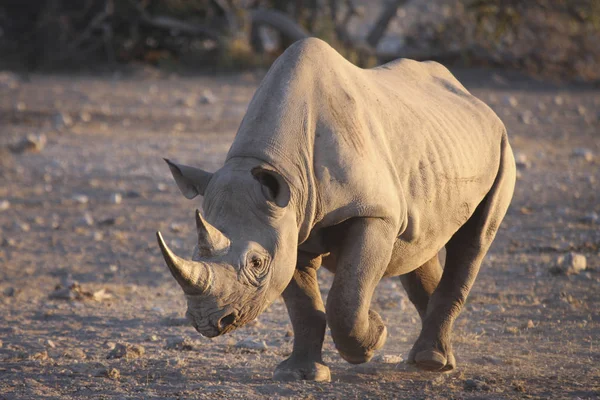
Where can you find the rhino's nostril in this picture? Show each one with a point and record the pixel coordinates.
(226, 321)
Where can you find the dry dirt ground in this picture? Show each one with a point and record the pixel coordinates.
(527, 331)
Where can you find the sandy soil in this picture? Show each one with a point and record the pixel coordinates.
(526, 332)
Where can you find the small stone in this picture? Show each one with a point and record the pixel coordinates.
(113, 373)
(389, 359)
(85, 116)
(161, 187)
(581, 110)
(570, 264)
(511, 101)
(511, 329)
(528, 325)
(522, 161)
(21, 106)
(9, 291)
(179, 343)
(4, 205)
(526, 117)
(22, 226)
(584, 153)
(558, 100)
(176, 227)
(86, 220)
(101, 295)
(208, 97)
(113, 268)
(492, 360)
(116, 198)
(98, 236)
(50, 344)
(62, 120)
(126, 350)
(152, 338)
(80, 198)
(289, 333)
(32, 143)
(252, 344)
(9, 80)
(475, 384)
(591, 218)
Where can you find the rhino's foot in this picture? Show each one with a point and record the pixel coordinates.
(298, 370)
(432, 358)
(376, 339)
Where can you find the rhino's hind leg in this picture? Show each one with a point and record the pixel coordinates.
(420, 284)
(464, 254)
(307, 313)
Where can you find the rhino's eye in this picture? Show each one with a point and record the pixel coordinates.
(256, 263)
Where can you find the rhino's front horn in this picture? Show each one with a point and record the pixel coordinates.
(193, 277)
(211, 241)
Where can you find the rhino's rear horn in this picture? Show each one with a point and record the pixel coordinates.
(211, 241)
(193, 277)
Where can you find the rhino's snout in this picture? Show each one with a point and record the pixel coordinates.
(215, 327)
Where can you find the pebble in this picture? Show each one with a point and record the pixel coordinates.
(126, 350)
(208, 97)
(9, 80)
(492, 360)
(51, 344)
(522, 161)
(591, 218)
(116, 198)
(570, 264)
(86, 220)
(558, 100)
(511, 101)
(98, 236)
(31, 143)
(252, 344)
(475, 384)
(179, 343)
(62, 120)
(80, 198)
(161, 187)
(526, 117)
(22, 226)
(4, 205)
(389, 359)
(584, 153)
(152, 338)
(85, 116)
(176, 227)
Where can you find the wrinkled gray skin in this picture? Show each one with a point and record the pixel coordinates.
(367, 172)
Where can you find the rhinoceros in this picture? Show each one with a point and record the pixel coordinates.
(369, 172)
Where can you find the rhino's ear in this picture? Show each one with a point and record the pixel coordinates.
(274, 186)
(191, 181)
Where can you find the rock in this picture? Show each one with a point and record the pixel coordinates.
(492, 360)
(152, 338)
(111, 373)
(4, 205)
(31, 143)
(98, 236)
(85, 116)
(116, 198)
(569, 264)
(528, 325)
(591, 218)
(388, 359)
(62, 120)
(126, 350)
(558, 100)
(161, 187)
(581, 110)
(9, 291)
(113, 268)
(179, 343)
(80, 198)
(252, 344)
(526, 117)
(522, 161)
(50, 344)
(511, 101)
(86, 220)
(22, 226)
(475, 384)
(584, 153)
(9, 80)
(208, 97)
(177, 227)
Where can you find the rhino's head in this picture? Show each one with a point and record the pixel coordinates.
(245, 255)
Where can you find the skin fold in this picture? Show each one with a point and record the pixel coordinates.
(369, 173)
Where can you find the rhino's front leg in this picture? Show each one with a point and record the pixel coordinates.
(307, 313)
(364, 255)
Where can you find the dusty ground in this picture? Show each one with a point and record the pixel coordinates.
(525, 332)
